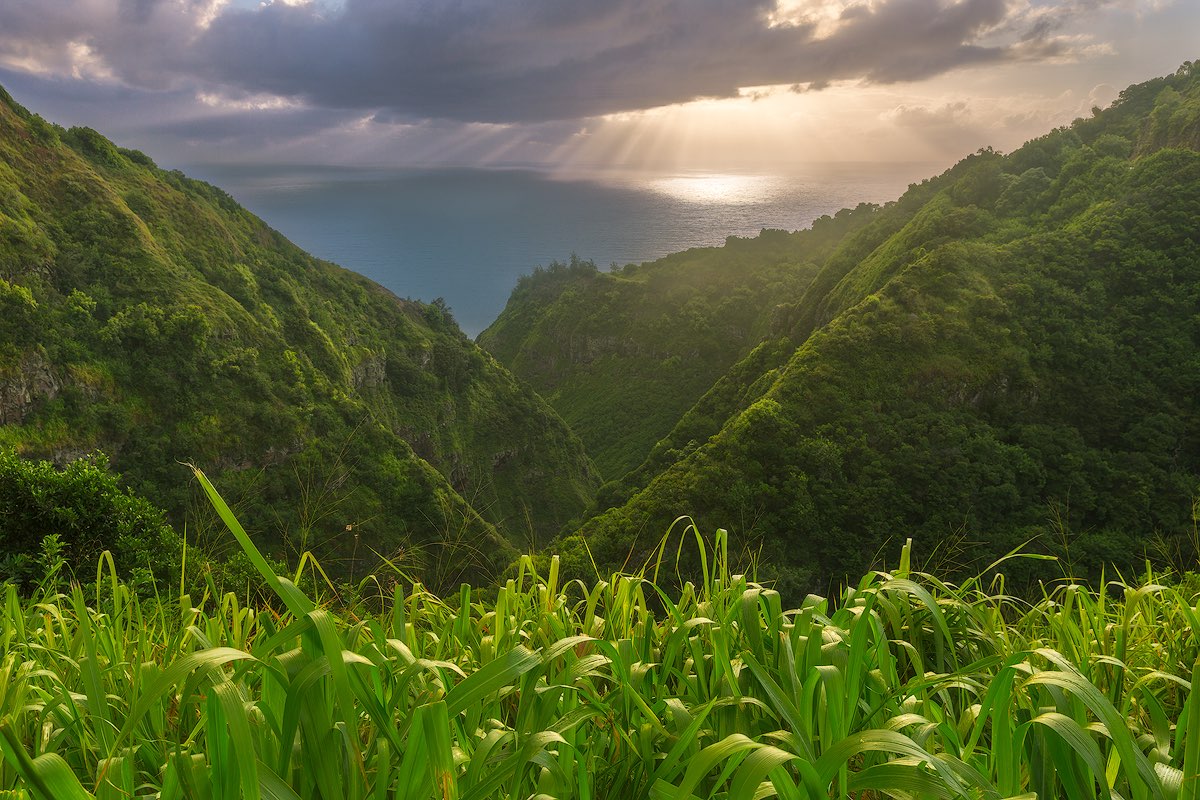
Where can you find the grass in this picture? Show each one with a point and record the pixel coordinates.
(903, 686)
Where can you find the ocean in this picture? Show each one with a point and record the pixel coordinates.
(466, 235)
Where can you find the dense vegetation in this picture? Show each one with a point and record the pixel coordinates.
(149, 316)
(1009, 348)
(621, 355)
(75, 514)
(905, 686)
(1007, 353)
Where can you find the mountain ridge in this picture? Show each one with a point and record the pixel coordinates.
(1006, 353)
(149, 315)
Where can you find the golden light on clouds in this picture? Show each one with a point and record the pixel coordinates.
(715, 134)
(602, 84)
(256, 102)
(774, 128)
(826, 16)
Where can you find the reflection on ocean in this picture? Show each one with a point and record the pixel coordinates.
(734, 190)
(467, 234)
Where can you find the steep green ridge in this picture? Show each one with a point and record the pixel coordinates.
(1008, 352)
(151, 316)
(621, 355)
(859, 237)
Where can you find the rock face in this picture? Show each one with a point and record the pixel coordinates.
(369, 373)
(31, 381)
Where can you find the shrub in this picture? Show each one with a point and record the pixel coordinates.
(83, 505)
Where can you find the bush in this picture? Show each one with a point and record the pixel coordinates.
(85, 508)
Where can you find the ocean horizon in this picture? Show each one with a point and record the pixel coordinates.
(467, 234)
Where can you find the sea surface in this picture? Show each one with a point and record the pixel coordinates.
(466, 235)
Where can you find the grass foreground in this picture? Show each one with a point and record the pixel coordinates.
(901, 686)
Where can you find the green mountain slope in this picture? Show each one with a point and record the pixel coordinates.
(1010, 351)
(149, 315)
(621, 355)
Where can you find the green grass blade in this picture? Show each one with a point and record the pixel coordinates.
(293, 598)
(47, 775)
(1190, 790)
(491, 678)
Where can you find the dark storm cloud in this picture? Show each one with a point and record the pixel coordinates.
(546, 59)
(76, 101)
(265, 124)
(171, 124)
(491, 61)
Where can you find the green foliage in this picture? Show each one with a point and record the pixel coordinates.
(902, 685)
(149, 315)
(94, 147)
(18, 310)
(137, 157)
(1005, 354)
(51, 518)
(621, 355)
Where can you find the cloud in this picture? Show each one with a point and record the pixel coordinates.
(518, 60)
(954, 126)
(919, 117)
(962, 124)
(1102, 95)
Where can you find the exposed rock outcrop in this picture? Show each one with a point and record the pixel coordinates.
(28, 382)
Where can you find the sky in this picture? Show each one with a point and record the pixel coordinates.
(664, 85)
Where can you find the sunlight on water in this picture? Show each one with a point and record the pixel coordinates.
(715, 189)
(466, 235)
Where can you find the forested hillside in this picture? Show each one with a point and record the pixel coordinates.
(621, 355)
(1007, 353)
(150, 316)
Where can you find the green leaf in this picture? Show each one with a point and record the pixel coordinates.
(47, 775)
(490, 679)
